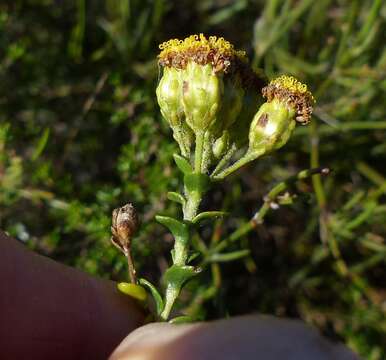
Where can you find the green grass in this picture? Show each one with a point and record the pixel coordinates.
(80, 134)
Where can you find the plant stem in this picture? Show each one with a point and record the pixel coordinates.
(248, 157)
(223, 162)
(130, 266)
(193, 200)
(170, 297)
(192, 203)
(172, 292)
(198, 151)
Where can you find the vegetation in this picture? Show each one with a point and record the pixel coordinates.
(81, 134)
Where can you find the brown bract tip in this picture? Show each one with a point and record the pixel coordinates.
(218, 52)
(294, 94)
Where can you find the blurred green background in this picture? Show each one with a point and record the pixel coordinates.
(80, 134)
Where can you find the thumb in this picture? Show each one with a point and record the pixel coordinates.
(247, 337)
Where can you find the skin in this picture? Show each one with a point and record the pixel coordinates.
(246, 337)
(51, 311)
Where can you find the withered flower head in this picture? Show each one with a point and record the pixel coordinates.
(294, 94)
(218, 52)
(124, 225)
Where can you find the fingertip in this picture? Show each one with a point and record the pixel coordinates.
(245, 337)
(151, 341)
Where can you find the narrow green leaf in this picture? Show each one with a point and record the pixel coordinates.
(179, 229)
(41, 144)
(133, 290)
(156, 295)
(193, 256)
(234, 255)
(177, 275)
(208, 215)
(176, 197)
(183, 164)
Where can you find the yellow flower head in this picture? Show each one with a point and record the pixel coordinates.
(218, 52)
(294, 93)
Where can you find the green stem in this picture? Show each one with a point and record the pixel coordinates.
(192, 203)
(198, 151)
(179, 137)
(170, 297)
(193, 200)
(224, 161)
(316, 180)
(248, 157)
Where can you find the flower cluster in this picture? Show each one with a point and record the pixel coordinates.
(202, 95)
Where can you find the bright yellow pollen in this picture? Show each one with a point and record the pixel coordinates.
(290, 83)
(193, 42)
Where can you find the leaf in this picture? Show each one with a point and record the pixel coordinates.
(181, 320)
(156, 295)
(193, 256)
(41, 144)
(176, 197)
(179, 229)
(234, 255)
(197, 182)
(177, 275)
(208, 215)
(183, 164)
(133, 290)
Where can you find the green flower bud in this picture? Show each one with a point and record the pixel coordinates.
(288, 102)
(271, 127)
(232, 101)
(201, 96)
(240, 129)
(221, 145)
(219, 132)
(169, 96)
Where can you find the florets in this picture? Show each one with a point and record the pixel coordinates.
(294, 93)
(218, 52)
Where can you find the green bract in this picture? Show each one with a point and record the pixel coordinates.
(201, 96)
(271, 127)
(169, 96)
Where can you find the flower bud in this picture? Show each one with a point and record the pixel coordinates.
(232, 102)
(271, 127)
(169, 96)
(288, 102)
(201, 96)
(221, 145)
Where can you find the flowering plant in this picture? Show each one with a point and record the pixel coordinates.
(202, 95)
